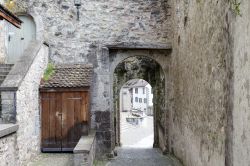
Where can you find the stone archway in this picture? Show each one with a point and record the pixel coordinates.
(147, 57)
(141, 67)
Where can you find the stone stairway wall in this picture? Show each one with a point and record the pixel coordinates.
(4, 71)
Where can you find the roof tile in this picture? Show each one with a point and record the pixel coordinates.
(70, 76)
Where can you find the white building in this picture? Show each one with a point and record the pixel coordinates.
(125, 99)
(137, 94)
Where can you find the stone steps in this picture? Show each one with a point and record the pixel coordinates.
(4, 71)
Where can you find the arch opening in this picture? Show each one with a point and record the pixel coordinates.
(145, 68)
(136, 114)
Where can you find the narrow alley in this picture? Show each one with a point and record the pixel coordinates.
(142, 157)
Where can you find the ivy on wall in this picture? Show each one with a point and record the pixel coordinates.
(235, 6)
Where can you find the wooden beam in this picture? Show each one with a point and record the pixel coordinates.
(64, 89)
(10, 17)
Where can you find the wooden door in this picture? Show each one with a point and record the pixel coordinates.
(51, 111)
(74, 110)
(62, 117)
(19, 39)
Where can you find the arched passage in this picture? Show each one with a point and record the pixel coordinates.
(138, 65)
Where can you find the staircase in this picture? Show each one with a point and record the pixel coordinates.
(4, 71)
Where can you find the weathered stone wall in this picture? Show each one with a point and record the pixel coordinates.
(8, 150)
(200, 87)
(28, 115)
(2, 50)
(100, 22)
(241, 86)
(2, 41)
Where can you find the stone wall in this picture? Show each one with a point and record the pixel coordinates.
(241, 86)
(28, 115)
(101, 22)
(200, 87)
(8, 150)
(2, 41)
(25, 144)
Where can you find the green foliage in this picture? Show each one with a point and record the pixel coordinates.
(10, 4)
(235, 6)
(49, 72)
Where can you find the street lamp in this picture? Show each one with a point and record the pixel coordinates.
(78, 3)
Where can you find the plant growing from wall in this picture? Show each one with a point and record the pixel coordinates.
(10, 4)
(49, 72)
(235, 6)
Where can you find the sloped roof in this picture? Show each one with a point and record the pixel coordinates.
(136, 83)
(70, 76)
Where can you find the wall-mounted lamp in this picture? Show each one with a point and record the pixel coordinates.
(78, 3)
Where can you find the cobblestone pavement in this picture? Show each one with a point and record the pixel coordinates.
(142, 157)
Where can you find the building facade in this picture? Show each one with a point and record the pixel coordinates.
(137, 94)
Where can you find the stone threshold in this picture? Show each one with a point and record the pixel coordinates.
(7, 129)
(85, 143)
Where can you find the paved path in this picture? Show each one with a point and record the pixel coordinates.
(139, 135)
(142, 157)
(53, 159)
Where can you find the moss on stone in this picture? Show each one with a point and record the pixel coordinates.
(49, 72)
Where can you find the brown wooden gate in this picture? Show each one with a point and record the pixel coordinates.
(63, 114)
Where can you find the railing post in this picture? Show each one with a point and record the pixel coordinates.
(14, 109)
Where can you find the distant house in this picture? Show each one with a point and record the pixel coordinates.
(126, 101)
(137, 94)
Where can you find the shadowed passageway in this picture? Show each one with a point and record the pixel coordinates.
(142, 157)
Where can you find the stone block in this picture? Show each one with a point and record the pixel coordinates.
(84, 152)
(6, 129)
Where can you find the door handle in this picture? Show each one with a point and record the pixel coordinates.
(22, 38)
(58, 114)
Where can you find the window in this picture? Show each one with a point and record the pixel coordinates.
(136, 99)
(143, 89)
(136, 90)
(145, 100)
(140, 100)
